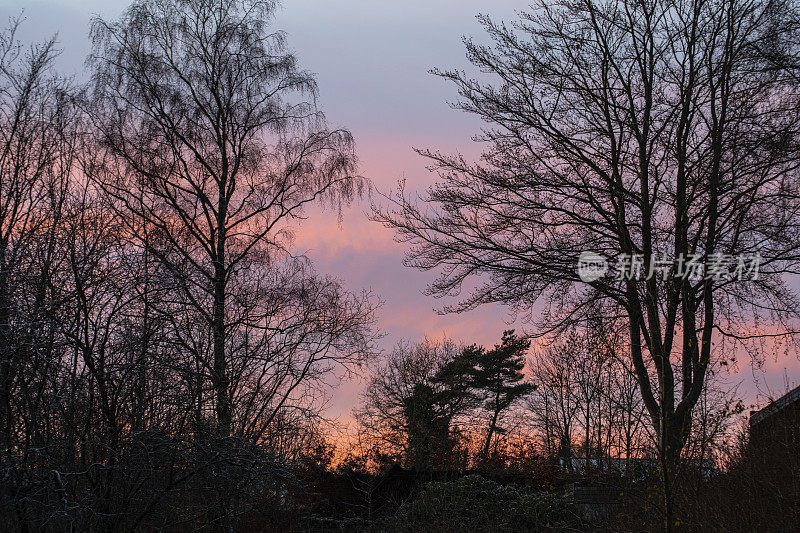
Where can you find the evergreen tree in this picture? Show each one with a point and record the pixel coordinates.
(428, 427)
(455, 382)
(431, 407)
(498, 378)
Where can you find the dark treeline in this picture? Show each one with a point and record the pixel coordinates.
(442, 445)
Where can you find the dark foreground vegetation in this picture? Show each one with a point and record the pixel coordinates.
(752, 494)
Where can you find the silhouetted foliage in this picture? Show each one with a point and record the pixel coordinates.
(499, 382)
(417, 401)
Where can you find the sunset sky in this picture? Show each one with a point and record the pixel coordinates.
(372, 60)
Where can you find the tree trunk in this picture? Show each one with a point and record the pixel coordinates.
(671, 442)
(221, 381)
(6, 354)
(492, 426)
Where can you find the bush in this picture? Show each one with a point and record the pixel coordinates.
(473, 503)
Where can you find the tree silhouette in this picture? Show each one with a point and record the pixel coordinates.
(646, 129)
(498, 380)
(428, 427)
(213, 139)
(208, 134)
(421, 402)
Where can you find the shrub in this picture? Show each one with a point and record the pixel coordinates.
(473, 503)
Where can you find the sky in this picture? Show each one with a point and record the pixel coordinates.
(371, 59)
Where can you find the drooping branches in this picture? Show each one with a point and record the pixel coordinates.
(210, 136)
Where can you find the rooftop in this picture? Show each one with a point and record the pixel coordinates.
(776, 406)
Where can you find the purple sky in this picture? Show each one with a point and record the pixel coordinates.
(372, 61)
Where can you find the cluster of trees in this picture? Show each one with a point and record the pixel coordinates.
(661, 130)
(163, 352)
(571, 403)
(588, 404)
(422, 405)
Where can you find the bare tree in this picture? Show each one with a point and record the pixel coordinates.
(196, 103)
(416, 401)
(209, 137)
(553, 406)
(636, 129)
(36, 157)
(627, 411)
(29, 182)
(586, 392)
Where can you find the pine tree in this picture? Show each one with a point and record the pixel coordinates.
(498, 378)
